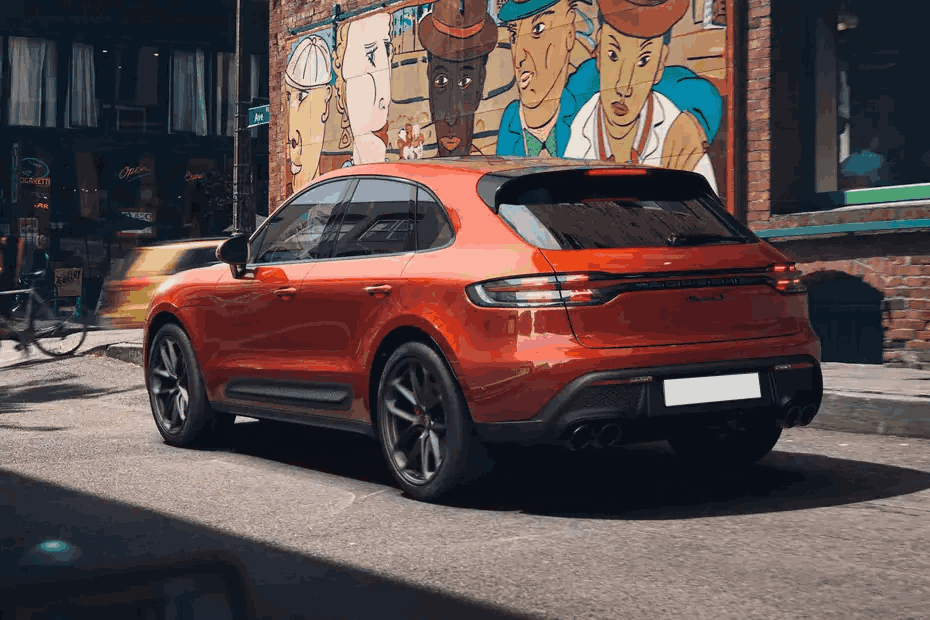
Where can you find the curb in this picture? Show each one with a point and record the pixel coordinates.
(123, 352)
(850, 412)
(885, 414)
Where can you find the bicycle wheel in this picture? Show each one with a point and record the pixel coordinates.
(58, 329)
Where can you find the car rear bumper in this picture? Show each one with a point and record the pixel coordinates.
(634, 400)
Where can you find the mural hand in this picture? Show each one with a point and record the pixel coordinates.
(685, 143)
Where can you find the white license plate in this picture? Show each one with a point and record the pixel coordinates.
(699, 390)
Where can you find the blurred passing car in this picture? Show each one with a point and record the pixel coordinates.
(128, 289)
(441, 304)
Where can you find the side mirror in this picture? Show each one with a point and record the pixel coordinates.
(235, 252)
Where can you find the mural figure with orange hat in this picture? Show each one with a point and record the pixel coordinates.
(628, 121)
(457, 43)
(542, 38)
(307, 90)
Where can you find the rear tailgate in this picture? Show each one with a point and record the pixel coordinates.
(685, 296)
(649, 258)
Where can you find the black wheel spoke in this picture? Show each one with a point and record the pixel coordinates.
(403, 391)
(414, 385)
(394, 410)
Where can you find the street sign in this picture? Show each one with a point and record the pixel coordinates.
(259, 116)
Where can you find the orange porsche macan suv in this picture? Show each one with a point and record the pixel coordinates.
(444, 304)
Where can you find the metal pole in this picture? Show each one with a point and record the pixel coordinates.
(243, 216)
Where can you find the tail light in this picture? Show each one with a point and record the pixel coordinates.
(536, 292)
(786, 279)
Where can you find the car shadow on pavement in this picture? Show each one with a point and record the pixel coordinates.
(43, 521)
(645, 481)
(54, 387)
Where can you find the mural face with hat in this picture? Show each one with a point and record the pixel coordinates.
(307, 93)
(621, 80)
(458, 36)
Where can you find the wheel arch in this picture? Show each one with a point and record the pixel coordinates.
(159, 320)
(389, 343)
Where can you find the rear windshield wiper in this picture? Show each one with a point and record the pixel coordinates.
(679, 240)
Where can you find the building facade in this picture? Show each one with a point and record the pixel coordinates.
(116, 112)
(788, 111)
(838, 168)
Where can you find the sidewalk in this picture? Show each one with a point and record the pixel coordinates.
(857, 398)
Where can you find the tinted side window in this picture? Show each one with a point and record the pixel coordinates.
(434, 229)
(302, 230)
(377, 220)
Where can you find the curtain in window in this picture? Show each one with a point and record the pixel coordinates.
(82, 88)
(188, 95)
(225, 94)
(33, 82)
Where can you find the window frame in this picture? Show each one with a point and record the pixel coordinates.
(443, 212)
(411, 212)
(255, 242)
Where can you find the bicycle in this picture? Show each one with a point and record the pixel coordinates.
(55, 326)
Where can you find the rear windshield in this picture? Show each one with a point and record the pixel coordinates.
(584, 213)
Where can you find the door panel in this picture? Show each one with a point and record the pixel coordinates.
(257, 319)
(344, 301)
(251, 323)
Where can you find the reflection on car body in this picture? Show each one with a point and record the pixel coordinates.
(521, 301)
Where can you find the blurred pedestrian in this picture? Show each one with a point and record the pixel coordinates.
(9, 271)
(40, 258)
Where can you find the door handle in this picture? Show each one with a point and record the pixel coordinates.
(378, 291)
(286, 292)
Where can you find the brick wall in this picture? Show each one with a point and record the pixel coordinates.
(758, 112)
(905, 283)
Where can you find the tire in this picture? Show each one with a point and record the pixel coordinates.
(57, 327)
(733, 445)
(177, 395)
(429, 415)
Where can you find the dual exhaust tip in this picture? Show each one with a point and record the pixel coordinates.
(586, 436)
(798, 416)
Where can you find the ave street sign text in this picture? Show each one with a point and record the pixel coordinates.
(259, 116)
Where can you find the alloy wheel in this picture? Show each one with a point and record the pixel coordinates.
(416, 425)
(170, 385)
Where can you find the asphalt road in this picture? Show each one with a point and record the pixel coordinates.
(830, 525)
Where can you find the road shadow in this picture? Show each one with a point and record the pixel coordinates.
(103, 536)
(54, 387)
(646, 481)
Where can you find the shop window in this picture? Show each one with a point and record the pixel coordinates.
(226, 90)
(225, 93)
(188, 92)
(129, 79)
(871, 138)
(33, 82)
(82, 88)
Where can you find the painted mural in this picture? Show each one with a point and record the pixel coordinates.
(638, 81)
